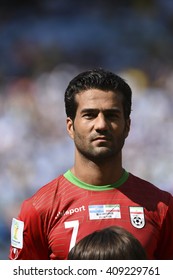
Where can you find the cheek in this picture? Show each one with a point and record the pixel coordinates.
(82, 128)
(81, 135)
(77, 131)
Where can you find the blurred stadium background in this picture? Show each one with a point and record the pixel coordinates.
(43, 44)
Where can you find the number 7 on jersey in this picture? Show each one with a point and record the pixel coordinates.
(75, 226)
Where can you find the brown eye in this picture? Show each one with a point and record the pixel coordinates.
(89, 116)
(112, 116)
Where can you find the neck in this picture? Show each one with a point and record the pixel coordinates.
(99, 174)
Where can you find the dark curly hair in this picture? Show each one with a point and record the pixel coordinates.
(112, 243)
(97, 79)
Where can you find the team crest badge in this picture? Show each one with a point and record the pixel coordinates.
(137, 217)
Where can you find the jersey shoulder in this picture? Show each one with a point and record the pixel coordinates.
(44, 198)
(147, 192)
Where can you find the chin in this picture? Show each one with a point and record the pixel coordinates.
(104, 155)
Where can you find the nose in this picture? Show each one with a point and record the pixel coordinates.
(101, 123)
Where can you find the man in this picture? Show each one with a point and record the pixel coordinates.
(97, 192)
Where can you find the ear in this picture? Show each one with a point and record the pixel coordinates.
(70, 128)
(127, 127)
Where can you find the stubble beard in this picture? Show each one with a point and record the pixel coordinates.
(99, 154)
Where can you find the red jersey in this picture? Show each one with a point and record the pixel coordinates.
(65, 210)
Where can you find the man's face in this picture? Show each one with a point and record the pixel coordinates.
(99, 128)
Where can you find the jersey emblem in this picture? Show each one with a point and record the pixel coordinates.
(137, 217)
(17, 233)
(108, 211)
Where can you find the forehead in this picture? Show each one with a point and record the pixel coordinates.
(95, 98)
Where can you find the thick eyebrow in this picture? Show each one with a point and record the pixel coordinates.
(89, 110)
(113, 110)
(94, 110)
